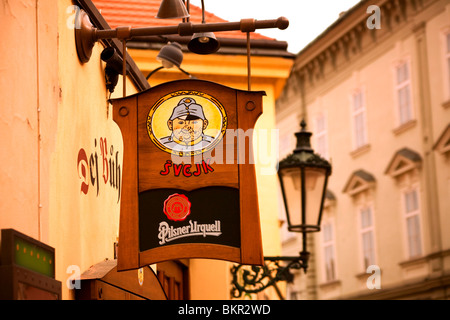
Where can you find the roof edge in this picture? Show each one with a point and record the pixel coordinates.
(258, 47)
(338, 21)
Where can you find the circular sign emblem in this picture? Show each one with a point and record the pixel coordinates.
(177, 207)
(186, 123)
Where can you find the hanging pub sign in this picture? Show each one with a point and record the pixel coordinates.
(189, 185)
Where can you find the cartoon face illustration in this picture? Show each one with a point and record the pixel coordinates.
(186, 125)
(187, 131)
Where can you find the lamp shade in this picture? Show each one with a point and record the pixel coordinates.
(303, 179)
(170, 55)
(172, 9)
(203, 43)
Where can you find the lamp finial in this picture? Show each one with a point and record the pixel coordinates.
(303, 125)
(303, 139)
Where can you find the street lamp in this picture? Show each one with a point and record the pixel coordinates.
(170, 55)
(303, 177)
(203, 42)
(172, 9)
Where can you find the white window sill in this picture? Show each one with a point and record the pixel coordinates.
(405, 127)
(361, 150)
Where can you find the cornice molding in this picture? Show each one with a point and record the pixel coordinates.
(349, 37)
(358, 182)
(404, 160)
(443, 142)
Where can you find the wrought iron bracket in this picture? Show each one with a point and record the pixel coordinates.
(254, 279)
(86, 35)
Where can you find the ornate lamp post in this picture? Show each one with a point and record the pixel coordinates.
(303, 177)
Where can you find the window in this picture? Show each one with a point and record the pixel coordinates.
(367, 236)
(321, 136)
(328, 247)
(359, 119)
(403, 93)
(412, 223)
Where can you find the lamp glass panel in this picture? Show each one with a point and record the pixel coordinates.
(314, 182)
(292, 191)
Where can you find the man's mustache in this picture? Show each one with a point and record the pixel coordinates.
(188, 131)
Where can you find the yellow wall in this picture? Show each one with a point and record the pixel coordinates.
(53, 106)
(27, 107)
(83, 227)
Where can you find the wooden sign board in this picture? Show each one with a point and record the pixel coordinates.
(189, 186)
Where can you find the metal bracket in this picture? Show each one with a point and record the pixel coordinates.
(258, 278)
(86, 34)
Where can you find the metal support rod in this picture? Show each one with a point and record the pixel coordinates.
(154, 71)
(203, 11)
(255, 279)
(248, 63)
(304, 235)
(275, 286)
(86, 35)
(162, 67)
(124, 67)
(188, 8)
(188, 28)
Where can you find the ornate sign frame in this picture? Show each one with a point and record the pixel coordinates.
(189, 185)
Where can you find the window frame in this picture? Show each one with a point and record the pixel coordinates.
(364, 230)
(329, 244)
(406, 83)
(417, 212)
(359, 133)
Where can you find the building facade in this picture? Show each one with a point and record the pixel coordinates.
(374, 90)
(62, 151)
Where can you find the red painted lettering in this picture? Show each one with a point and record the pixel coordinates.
(82, 170)
(167, 165)
(206, 166)
(187, 170)
(198, 172)
(104, 152)
(177, 169)
(88, 169)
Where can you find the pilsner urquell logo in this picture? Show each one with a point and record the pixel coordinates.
(169, 233)
(177, 207)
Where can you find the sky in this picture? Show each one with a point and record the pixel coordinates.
(307, 18)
